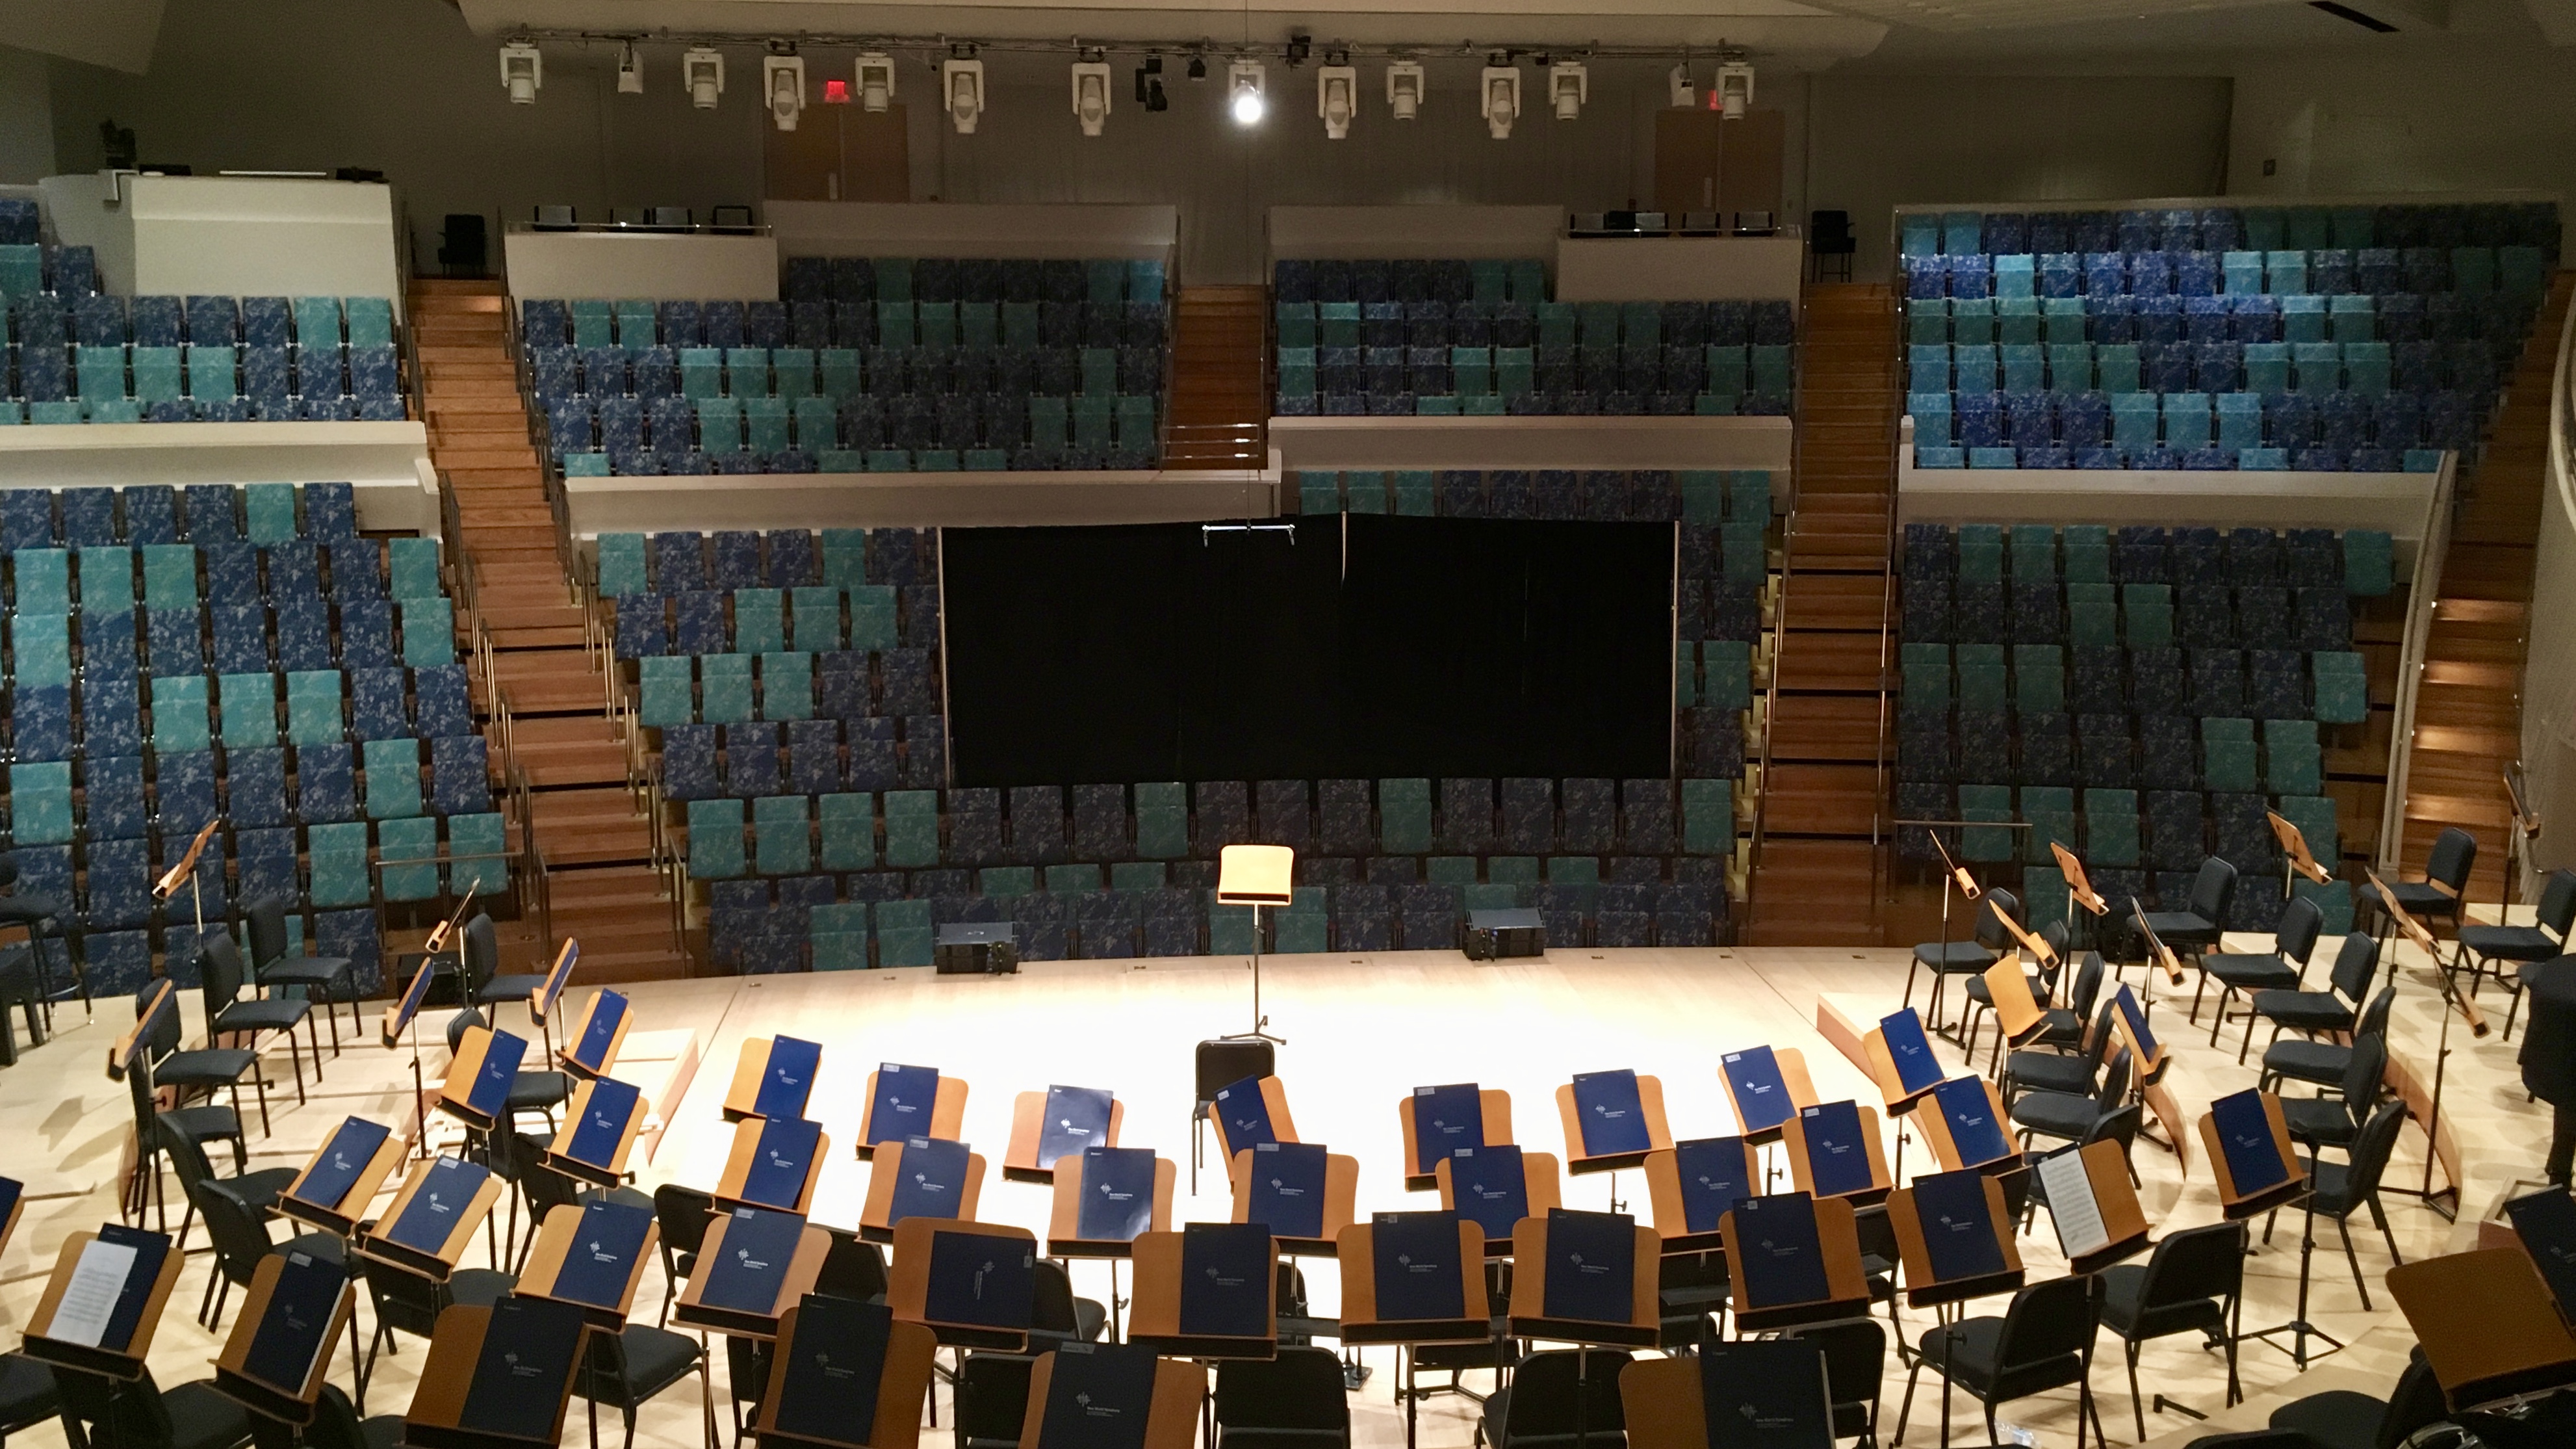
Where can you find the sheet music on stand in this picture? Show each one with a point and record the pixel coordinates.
(2080, 1229)
(91, 1294)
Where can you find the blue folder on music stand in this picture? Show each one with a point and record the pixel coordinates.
(601, 1260)
(904, 1102)
(1287, 1189)
(1244, 1114)
(1910, 1048)
(1713, 1178)
(782, 1162)
(1970, 1116)
(2245, 1134)
(933, 1183)
(788, 1082)
(353, 1145)
(1117, 1194)
(1444, 1120)
(431, 1215)
(1784, 1261)
(1225, 1280)
(1415, 1267)
(1491, 1188)
(1591, 1271)
(1761, 1094)
(758, 1246)
(1077, 1119)
(1837, 1152)
(1613, 1118)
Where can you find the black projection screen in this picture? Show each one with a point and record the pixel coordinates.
(1371, 647)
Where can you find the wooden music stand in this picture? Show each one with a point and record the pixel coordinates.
(903, 1380)
(908, 1282)
(1846, 1283)
(1028, 1125)
(2488, 1325)
(1945, 1150)
(557, 1238)
(1274, 1100)
(1539, 1184)
(447, 1376)
(342, 1215)
(751, 1072)
(2236, 1204)
(2019, 1017)
(463, 1070)
(17, 1210)
(1640, 1329)
(2294, 849)
(573, 1058)
(1065, 1215)
(876, 1221)
(1802, 1169)
(1954, 876)
(691, 1309)
(550, 989)
(125, 1361)
(1665, 1194)
(611, 1171)
(2117, 1201)
(1650, 1103)
(1793, 1078)
(2437, 1143)
(287, 1403)
(1880, 1063)
(1497, 1107)
(1356, 1247)
(748, 1134)
(1340, 1208)
(1924, 1287)
(2157, 951)
(1156, 1321)
(947, 1115)
(436, 1266)
(1172, 1423)
(2079, 886)
(1255, 876)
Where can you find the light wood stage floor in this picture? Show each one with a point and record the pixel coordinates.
(1361, 1032)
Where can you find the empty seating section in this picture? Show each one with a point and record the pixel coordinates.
(790, 684)
(2143, 697)
(243, 655)
(1596, 495)
(77, 354)
(1383, 338)
(2364, 339)
(853, 877)
(868, 365)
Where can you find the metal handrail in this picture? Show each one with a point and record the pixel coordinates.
(2423, 598)
(1882, 844)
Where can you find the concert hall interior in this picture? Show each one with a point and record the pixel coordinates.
(1762, 725)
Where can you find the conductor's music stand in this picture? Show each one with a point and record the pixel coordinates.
(1256, 876)
(2454, 1000)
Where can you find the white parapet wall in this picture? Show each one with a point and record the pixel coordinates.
(386, 463)
(664, 266)
(232, 236)
(1680, 269)
(946, 229)
(1415, 232)
(1677, 443)
(869, 500)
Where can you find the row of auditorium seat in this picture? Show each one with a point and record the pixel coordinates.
(2184, 420)
(241, 710)
(745, 760)
(640, 327)
(1045, 427)
(727, 688)
(2114, 751)
(113, 577)
(209, 374)
(111, 801)
(1573, 402)
(1645, 495)
(809, 618)
(2397, 317)
(1732, 323)
(842, 373)
(2316, 370)
(645, 462)
(41, 318)
(290, 634)
(680, 561)
(2360, 560)
(918, 829)
(28, 268)
(972, 279)
(1467, 372)
(2192, 460)
(2441, 225)
(802, 929)
(2333, 272)
(1449, 280)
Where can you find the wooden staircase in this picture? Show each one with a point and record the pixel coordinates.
(1219, 412)
(1822, 795)
(544, 692)
(2468, 704)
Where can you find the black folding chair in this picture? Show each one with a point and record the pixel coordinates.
(1294, 1401)
(2040, 1342)
(2191, 1282)
(2318, 1013)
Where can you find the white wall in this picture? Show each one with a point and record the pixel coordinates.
(26, 117)
(1877, 141)
(664, 267)
(2459, 116)
(236, 236)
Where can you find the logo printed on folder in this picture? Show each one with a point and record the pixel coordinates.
(1714, 1177)
(1761, 1095)
(1612, 1118)
(1837, 1152)
(789, 1080)
(1416, 1269)
(1118, 1194)
(607, 1010)
(1077, 1118)
(1288, 1188)
(433, 1212)
(612, 1104)
(933, 1181)
(1491, 1188)
(490, 1092)
(1917, 1069)
(352, 1146)
(1444, 1120)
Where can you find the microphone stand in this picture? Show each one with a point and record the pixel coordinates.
(2452, 1002)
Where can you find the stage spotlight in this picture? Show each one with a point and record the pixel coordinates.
(1198, 65)
(1404, 88)
(1502, 96)
(1336, 98)
(1149, 86)
(782, 79)
(1091, 92)
(1299, 47)
(630, 70)
(1735, 88)
(523, 70)
(961, 80)
(1244, 83)
(876, 80)
(1684, 94)
(702, 72)
(1569, 85)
